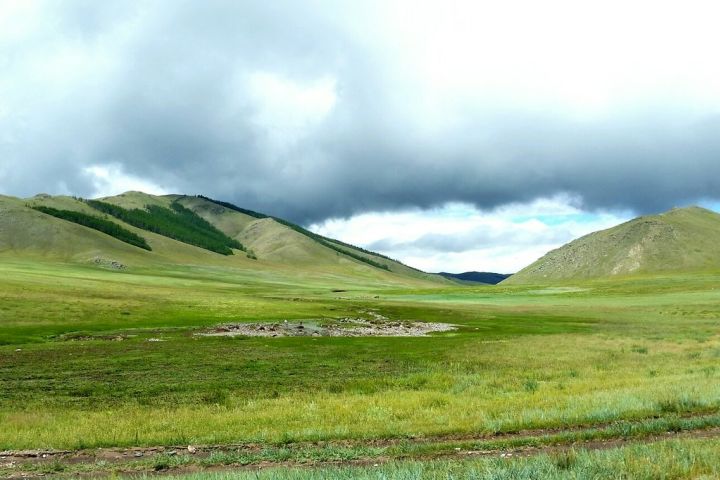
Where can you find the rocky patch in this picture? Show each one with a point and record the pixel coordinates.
(375, 326)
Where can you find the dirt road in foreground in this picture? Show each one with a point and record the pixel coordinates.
(194, 458)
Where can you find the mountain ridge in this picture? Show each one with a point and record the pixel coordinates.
(256, 242)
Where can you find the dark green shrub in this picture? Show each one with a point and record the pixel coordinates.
(105, 226)
(177, 222)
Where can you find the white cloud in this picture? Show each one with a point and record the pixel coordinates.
(287, 110)
(459, 237)
(110, 180)
(583, 58)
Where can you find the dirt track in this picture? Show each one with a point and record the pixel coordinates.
(129, 460)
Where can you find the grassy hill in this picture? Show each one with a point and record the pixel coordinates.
(184, 230)
(27, 232)
(680, 240)
(277, 239)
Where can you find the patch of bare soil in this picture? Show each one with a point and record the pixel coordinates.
(75, 337)
(104, 262)
(376, 325)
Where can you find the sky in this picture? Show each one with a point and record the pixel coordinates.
(453, 135)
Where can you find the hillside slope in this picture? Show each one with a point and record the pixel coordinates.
(278, 240)
(27, 232)
(264, 243)
(24, 231)
(680, 240)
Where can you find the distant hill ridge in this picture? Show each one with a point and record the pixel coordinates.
(489, 278)
(680, 240)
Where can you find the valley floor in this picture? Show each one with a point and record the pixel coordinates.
(95, 360)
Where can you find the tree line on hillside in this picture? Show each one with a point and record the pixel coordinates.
(332, 243)
(326, 242)
(177, 222)
(100, 224)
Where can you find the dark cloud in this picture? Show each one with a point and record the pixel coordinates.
(161, 89)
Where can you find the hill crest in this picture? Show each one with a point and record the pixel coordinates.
(682, 239)
(73, 229)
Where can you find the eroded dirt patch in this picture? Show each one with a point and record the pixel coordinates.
(375, 325)
(77, 337)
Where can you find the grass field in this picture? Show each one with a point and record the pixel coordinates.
(78, 369)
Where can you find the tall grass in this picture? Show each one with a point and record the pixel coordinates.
(665, 460)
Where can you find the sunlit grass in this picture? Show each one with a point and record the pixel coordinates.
(522, 358)
(502, 387)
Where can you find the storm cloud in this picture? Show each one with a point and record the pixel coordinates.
(312, 110)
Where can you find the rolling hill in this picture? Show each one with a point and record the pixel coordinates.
(680, 240)
(135, 229)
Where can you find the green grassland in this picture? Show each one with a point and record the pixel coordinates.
(96, 355)
(523, 357)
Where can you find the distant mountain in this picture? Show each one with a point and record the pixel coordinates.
(135, 229)
(489, 278)
(680, 240)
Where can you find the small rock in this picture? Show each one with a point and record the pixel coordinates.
(18, 349)
(172, 453)
(191, 449)
(138, 454)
